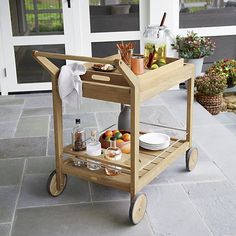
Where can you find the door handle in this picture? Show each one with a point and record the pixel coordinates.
(68, 2)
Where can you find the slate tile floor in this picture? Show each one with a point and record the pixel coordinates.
(202, 202)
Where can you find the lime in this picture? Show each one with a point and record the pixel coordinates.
(162, 61)
(118, 135)
(154, 66)
(108, 138)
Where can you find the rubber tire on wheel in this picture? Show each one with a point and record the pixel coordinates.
(52, 184)
(191, 158)
(137, 208)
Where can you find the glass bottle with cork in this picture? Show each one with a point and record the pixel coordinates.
(113, 153)
(93, 148)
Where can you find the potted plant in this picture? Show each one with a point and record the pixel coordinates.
(209, 92)
(226, 68)
(193, 49)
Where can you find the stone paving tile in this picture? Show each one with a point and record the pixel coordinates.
(103, 193)
(7, 129)
(33, 127)
(23, 147)
(33, 192)
(216, 204)
(86, 119)
(40, 165)
(93, 105)
(5, 229)
(105, 119)
(9, 101)
(8, 197)
(171, 212)
(231, 128)
(51, 145)
(109, 218)
(158, 115)
(32, 94)
(219, 145)
(226, 118)
(176, 103)
(38, 102)
(11, 171)
(154, 101)
(205, 171)
(10, 113)
(37, 111)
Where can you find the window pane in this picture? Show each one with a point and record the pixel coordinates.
(103, 49)
(50, 22)
(36, 17)
(206, 13)
(28, 70)
(225, 48)
(114, 15)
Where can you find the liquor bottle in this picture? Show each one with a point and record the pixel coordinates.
(78, 137)
(78, 141)
(93, 148)
(113, 153)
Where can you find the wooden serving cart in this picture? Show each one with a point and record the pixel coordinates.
(141, 166)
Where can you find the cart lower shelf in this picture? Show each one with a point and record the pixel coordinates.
(151, 163)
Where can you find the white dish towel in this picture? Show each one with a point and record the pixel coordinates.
(70, 84)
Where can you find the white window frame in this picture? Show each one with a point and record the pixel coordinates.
(87, 38)
(172, 21)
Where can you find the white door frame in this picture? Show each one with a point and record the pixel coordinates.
(9, 84)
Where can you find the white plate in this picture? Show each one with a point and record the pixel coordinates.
(154, 148)
(154, 139)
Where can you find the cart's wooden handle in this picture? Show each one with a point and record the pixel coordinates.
(72, 57)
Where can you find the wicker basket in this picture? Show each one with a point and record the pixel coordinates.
(213, 104)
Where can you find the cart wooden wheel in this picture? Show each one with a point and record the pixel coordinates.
(191, 158)
(137, 208)
(52, 184)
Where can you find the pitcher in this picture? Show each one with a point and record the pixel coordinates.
(155, 45)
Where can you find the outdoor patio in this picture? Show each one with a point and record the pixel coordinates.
(180, 203)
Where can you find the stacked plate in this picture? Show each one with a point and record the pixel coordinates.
(154, 141)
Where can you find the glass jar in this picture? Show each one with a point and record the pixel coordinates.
(155, 46)
(113, 153)
(93, 148)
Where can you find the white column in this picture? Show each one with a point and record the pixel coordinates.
(144, 16)
(77, 27)
(6, 49)
(157, 9)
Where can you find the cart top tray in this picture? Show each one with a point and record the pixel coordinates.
(116, 86)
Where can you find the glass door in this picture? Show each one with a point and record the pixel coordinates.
(31, 25)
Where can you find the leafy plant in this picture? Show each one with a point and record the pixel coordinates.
(226, 68)
(210, 84)
(193, 46)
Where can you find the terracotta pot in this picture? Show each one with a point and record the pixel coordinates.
(212, 103)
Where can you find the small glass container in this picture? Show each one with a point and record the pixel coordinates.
(113, 153)
(93, 148)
